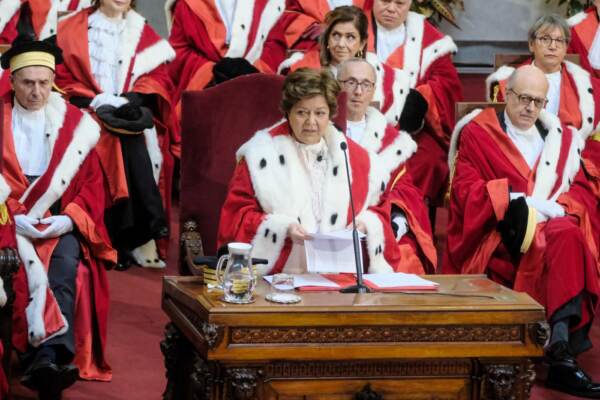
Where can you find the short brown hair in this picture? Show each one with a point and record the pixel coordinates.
(96, 4)
(309, 82)
(340, 15)
(547, 22)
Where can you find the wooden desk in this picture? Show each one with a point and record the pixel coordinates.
(472, 340)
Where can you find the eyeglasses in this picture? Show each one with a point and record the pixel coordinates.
(352, 84)
(526, 100)
(546, 41)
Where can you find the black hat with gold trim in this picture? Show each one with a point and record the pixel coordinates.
(27, 52)
(517, 229)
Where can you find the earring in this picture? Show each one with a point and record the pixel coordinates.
(359, 54)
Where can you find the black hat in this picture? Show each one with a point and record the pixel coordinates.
(518, 227)
(125, 120)
(27, 52)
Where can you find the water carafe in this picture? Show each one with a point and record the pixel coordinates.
(238, 278)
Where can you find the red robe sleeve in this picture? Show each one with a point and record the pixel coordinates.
(442, 89)
(476, 206)
(241, 214)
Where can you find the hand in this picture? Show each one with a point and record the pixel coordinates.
(25, 226)
(59, 225)
(297, 233)
(107, 99)
(360, 226)
(546, 209)
(400, 226)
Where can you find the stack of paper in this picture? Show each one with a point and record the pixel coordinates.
(331, 252)
(310, 282)
(379, 282)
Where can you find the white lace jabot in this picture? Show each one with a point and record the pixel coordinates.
(31, 147)
(314, 157)
(104, 39)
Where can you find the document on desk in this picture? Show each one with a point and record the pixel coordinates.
(310, 281)
(331, 252)
(398, 281)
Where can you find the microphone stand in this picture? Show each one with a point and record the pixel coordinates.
(360, 287)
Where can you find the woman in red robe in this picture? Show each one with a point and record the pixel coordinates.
(123, 66)
(290, 181)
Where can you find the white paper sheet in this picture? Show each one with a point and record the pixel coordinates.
(399, 280)
(304, 280)
(331, 252)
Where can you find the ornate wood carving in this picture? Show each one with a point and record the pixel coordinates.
(169, 346)
(211, 333)
(527, 377)
(500, 381)
(374, 334)
(367, 394)
(358, 369)
(539, 333)
(191, 247)
(201, 379)
(242, 383)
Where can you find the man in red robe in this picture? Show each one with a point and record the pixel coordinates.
(216, 40)
(572, 89)
(138, 163)
(585, 38)
(369, 128)
(405, 40)
(519, 211)
(49, 162)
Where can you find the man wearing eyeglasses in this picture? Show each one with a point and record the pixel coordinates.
(368, 126)
(518, 206)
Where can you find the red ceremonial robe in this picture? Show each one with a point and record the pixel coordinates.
(142, 70)
(269, 191)
(43, 20)
(583, 30)
(392, 85)
(303, 15)
(578, 109)
(73, 177)
(7, 239)
(418, 254)
(426, 56)
(198, 36)
(561, 262)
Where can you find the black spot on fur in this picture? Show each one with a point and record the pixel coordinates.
(559, 130)
(591, 91)
(299, 220)
(382, 186)
(399, 152)
(281, 159)
(333, 218)
(266, 232)
(263, 163)
(335, 170)
(319, 158)
(63, 182)
(590, 120)
(401, 91)
(243, 26)
(376, 134)
(547, 162)
(274, 238)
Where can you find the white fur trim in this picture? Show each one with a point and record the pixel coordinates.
(85, 137)
(150, 58)
(375, 242)
(456, 133)
(51, 25)
(4, 189)
(242, 17)
(415, 28)
(37, 282)
(400, 87)
(546, 173)
(435, 51)
(130, 37)
(8, 8)
(291, 60)
(501, 74)
(587, 105)
(169, 8)
(374, 130)
(577, 18)
(146, 255)
(154, 152)
(269, 240)
(270, 15)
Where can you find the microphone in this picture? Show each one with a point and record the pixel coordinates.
(360, 286)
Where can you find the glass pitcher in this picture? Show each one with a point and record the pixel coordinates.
(238, 279)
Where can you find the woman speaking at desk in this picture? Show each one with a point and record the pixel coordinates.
(290, 180)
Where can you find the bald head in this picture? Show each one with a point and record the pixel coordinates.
(526, 94)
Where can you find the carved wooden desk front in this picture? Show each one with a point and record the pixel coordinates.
(472, 340)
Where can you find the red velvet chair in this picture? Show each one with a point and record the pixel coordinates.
(215, 123)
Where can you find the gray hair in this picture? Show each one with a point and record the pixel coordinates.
(349, 61)
(550, 21)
